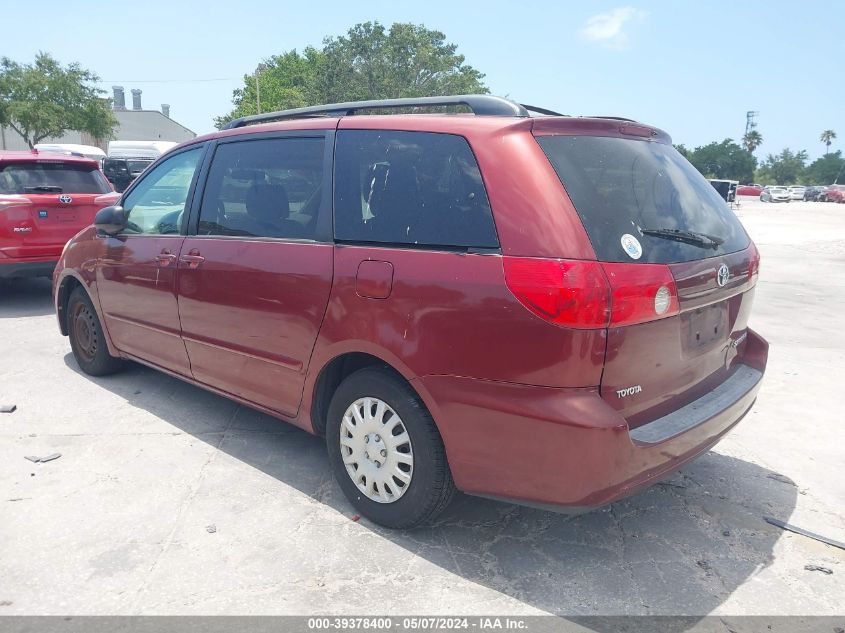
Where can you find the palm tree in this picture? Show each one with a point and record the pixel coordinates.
(752, 140)
(827, 138)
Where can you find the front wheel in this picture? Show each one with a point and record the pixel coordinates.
(86, 337)
(386, 452)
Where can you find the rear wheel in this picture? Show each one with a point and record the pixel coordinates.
(386, 452)
(86, 337)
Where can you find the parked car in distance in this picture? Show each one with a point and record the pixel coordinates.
(122, 171)
(749, 190)
(45, 199)
(835, 193)
(814, 193)
(796, 192)
(775, 194)
(548, 310)
(127, 159)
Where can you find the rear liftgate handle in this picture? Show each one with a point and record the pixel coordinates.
(193, 259)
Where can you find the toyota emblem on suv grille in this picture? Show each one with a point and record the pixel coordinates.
(722, 275)
(65, 199)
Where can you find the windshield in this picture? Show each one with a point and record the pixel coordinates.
(137, 166)
(53, 177)
(642, 201)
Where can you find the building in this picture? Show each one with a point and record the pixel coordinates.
(135, 124)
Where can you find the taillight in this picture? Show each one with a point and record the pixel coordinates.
(754, 264)
(571, 293)
(640, 293)
(592, 295)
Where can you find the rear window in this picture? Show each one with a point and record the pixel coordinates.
(410, 188)
(623, 187)
(51, 177)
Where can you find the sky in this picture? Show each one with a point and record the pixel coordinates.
(692, 68)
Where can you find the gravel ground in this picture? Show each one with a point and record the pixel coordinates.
(171, 500)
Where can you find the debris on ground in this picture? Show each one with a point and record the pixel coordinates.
(781, 478)
(41, 460)
(798, 530)
(356, 517)
(824, 570)
(8, 408)
(211, 529)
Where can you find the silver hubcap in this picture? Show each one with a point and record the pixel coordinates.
(376, 450)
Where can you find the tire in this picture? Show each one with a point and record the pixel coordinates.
(429, 488)
(87, 339)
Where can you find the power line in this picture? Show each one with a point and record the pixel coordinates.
(166, 81)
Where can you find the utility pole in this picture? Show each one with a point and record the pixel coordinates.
(261, 67)
(750, 122)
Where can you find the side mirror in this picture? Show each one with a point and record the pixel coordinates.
(111, 220)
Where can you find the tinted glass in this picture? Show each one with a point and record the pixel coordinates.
(267, 188)
(54, 177)
(157, 203)
(414, 188)
(623, 186)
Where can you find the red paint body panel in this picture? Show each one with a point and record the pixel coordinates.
(137, 294)
(451, 313)
(250, 313)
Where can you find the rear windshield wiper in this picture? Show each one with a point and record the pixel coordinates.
(43, 189)
(687, 237)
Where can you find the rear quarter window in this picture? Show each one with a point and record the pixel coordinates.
(621, 187)
(410, 188)
(51, 177)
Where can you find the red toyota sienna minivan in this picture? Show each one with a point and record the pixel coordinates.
(541, 309)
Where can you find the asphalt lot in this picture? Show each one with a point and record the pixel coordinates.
(120, 524)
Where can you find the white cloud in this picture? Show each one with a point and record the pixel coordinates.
(608, 28)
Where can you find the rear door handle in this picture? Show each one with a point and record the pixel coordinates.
(193, 260)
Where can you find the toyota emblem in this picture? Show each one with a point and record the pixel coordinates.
(722, 275)
(65, 199)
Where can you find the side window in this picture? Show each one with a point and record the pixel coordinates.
(156, 205)
(414, 188)
(264, 188)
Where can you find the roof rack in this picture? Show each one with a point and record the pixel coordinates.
(482, 105)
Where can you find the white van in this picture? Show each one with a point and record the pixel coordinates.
(139, 149)
(88, 151)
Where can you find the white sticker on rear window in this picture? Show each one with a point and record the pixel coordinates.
(632, 246)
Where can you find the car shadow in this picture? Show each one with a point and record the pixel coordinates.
(25, 297)
(679, 548)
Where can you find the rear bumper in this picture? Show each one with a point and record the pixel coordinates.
(567, 449)
(27, 268)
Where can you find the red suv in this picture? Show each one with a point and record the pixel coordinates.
(45, 199)
(548, 310)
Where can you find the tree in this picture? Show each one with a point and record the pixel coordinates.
(725, 160)
(44, 99)
(752, 140)
(827, 138)
(826, 170)
(785, 168)
(369, 62)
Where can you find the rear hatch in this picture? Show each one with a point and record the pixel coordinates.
(680, 267)
(45, 202)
